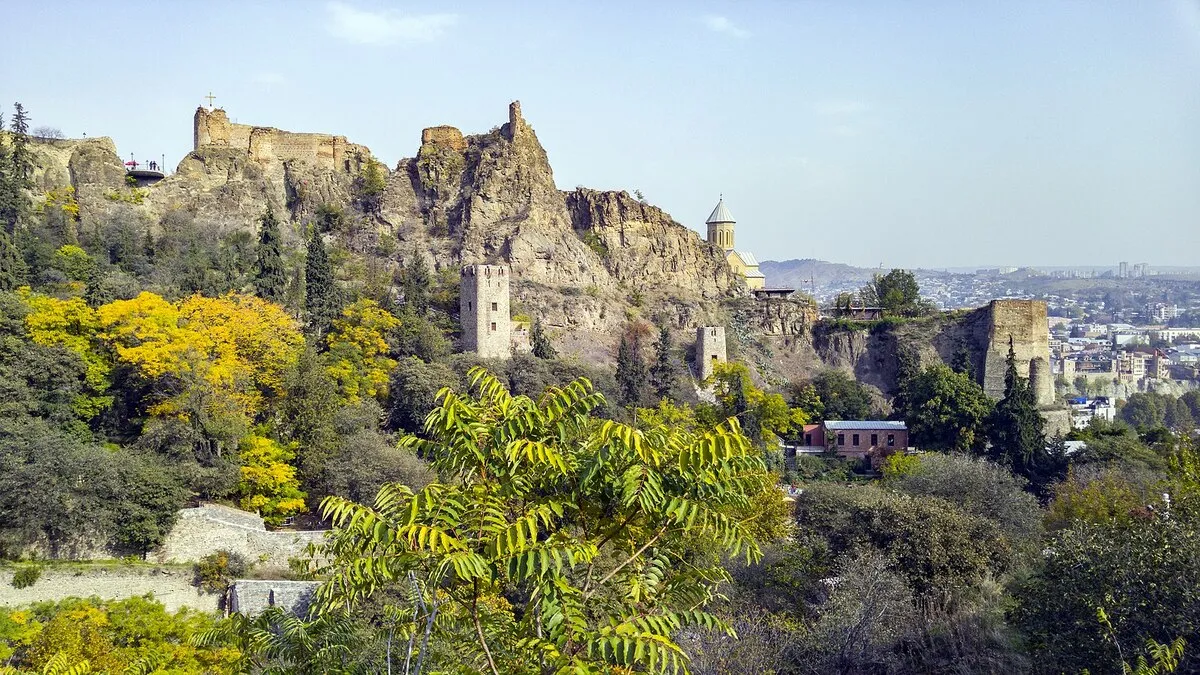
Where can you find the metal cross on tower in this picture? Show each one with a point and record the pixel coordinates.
(210, 98)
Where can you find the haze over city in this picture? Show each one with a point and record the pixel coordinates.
(927, 135)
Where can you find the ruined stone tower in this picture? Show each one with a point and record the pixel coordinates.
(710, 349)
(483, 310)
(1024, 323)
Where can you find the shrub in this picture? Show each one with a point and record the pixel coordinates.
(26, 576)
(214, 573)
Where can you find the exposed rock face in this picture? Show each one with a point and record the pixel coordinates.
(645, 248)
(581, 261)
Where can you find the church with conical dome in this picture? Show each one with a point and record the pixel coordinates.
(720, 233)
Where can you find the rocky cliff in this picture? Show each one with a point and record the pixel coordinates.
(583, 260)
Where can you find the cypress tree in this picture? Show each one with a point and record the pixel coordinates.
(541, 342)
(1018, 433)
(11, 196)
(631, 370)
(662, 374)
(270, 277)
(417, 281)
(12, 265)
(320, 295)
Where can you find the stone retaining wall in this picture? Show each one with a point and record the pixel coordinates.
(170, 586)
(209, 528)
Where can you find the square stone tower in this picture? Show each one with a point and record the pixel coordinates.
(483, 311)
(710, 349)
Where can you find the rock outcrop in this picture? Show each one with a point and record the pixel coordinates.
(582, 261)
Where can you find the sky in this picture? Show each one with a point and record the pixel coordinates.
(901, 134)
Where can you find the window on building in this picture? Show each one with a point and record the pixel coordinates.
(468, 305)
(855, 440)
(495, 307)
(874, 440)
(493, 325)
(891, 440)
(841, 439)
(808, 439)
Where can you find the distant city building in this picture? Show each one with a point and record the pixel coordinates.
(720, 233)
(1084, 410)
(1158, 312)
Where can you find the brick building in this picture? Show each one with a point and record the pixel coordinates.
(857, 439)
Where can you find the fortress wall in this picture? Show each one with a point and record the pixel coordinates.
(209, 528)
(253, 596)
(445, 136)
(170, 586)
(267, 144)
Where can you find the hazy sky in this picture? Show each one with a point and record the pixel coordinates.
(904, 133)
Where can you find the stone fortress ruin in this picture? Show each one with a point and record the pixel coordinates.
(211, 127)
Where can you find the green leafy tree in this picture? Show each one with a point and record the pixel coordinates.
(1142, 572)
(842, 397)
(975, 486)
(662, 371)
(542, 348)
(929, 541)
(414, 385)
(417, 335)
(321, 301)
(946, 410)
(270, 277)
(309, 413)
(896, 293)
(560, 542)
(369, 186)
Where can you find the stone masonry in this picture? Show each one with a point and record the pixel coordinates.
(484, 311)
(710, 349)
(445, 136)
(211, 527)
(267, 144)
(1025, 323)
(170, 586)
(253, 596)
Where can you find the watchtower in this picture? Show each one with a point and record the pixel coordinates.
(710, 349)
(483, 311)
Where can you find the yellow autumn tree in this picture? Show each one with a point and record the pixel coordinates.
(74, 326)
(358, 351)
(268, 483)
(236, 346)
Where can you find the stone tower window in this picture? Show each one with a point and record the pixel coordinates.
(493, 325)
(468, 305)
(495, 307)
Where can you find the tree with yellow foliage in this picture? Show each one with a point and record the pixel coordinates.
(358, 351)
(73, 325)
(268, 483)
(237, 346)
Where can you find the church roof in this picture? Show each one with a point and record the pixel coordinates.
(747, 258)
(720, 214)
